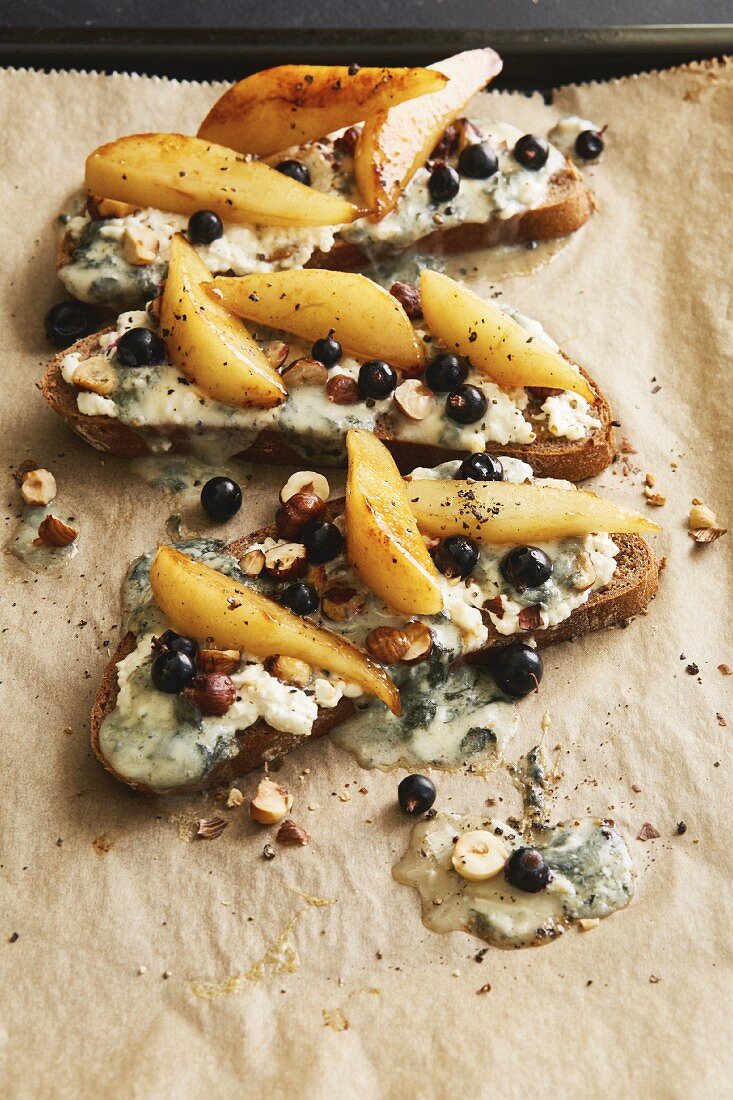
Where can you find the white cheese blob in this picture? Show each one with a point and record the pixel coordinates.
(569, 416)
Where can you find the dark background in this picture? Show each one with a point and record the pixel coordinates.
(543, 42)
(362, 13)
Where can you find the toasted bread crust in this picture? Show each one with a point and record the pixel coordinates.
(633, 586)
(549, 457)
(568, 208)
(569, 205)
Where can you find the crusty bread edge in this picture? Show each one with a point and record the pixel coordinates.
(574, 461)
(568, 207)
(632, 587)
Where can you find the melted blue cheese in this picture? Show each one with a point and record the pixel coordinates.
(565, 132)
(163, 740)
(592, 871)
(157, 400)
(98, 271)
(581, 566)
(511, 190)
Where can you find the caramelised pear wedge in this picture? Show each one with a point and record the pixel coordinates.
(185, 174)
(204, 604)
(293, 104)
(394, 144)
(382, 539)
(495, 343)
(502, 512)
(366, 319)
(209, 345)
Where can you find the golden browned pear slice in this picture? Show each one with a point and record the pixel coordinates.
(394, 144)
(382, 539)
(367, 320)
(204, 604)
(496, 344)
(292, 104)
(207, 343)
(185, 174)
(499, 512)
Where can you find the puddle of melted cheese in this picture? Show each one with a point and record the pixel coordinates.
(593, 876)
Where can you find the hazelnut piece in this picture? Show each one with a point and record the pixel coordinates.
(387, 644)
(582, 572)
(112, 208)
(340, 603)
(223, 661)
(701, 518)
(292, 516)
(252, 563)
(409, 298)
(305, 481)
(38, 487)
(305, 372)
(95, 375)
(276, 353)
(290, 833)
(287, 562)
(289, 669)
(341, 389)
(271, 803)
(346, 142)
(212, 692)
(414, 400)
(52, 531)
(420, 637)
(140, 246)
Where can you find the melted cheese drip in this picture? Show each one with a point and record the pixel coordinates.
(592, 877)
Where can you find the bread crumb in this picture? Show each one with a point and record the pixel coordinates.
(726, 670)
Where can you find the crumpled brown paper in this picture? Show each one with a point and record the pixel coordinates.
(139, 962)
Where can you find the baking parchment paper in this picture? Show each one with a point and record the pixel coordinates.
(114, 919)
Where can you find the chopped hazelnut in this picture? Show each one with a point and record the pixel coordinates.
(211, 827)
(112, 208)
(212, 692)
(52, 531)
(276, 353)
(341, 389)
(387, 644)
(290, 833)
(414, 400)
(289, 669)
(702, 517)
(140, 246)
(305, 481)
(409, 298)
(420, 637)
(252, 563)
(287, 562)
(305, 372)
(271, 803)
(223, 661)
(95, 375)
(341, 602)
(292, 516)
(38, 487)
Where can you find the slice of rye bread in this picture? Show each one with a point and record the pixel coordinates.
(548, 456)
(632, 587)
(568, 206)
